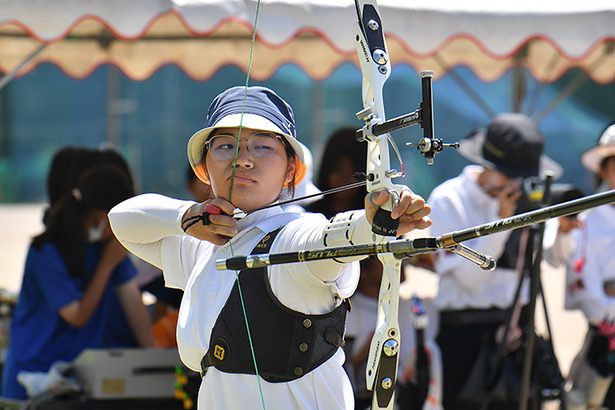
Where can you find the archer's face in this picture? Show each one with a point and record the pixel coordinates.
(258, 180)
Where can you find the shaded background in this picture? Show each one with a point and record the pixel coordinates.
(150, 121)
(139, 76)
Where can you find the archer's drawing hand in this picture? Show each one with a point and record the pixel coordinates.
(221, 227)
(412, 211)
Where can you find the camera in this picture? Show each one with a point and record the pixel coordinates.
(532, 198)
(533, 190)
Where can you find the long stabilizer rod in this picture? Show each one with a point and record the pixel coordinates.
(409, 247)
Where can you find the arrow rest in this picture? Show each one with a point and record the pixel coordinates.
(430, 147)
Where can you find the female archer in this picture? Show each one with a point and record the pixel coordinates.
(273, 334)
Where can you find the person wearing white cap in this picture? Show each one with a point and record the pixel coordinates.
(590, 284)
(274, 340)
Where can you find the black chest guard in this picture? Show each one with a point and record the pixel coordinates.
(287, 344)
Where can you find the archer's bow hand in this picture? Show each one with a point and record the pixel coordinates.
(211, 221)
(411, 210)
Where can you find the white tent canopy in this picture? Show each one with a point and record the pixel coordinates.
(139, 36)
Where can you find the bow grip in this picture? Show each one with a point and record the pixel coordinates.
(383, 224)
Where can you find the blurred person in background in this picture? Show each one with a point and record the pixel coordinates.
(343, 159)
(67, 165)
(71, 271)
(559, 232)
(475, 305)
(590, 285)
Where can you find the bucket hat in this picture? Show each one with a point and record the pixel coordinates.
(263, 110)
(512, 144)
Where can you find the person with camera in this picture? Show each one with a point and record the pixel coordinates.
(476, 305)
(590, 286)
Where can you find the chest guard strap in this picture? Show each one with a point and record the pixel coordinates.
(287, 344)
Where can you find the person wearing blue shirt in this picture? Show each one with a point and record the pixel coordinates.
(71, 270)
(67, 165)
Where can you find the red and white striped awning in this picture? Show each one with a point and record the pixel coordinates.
(139, 36)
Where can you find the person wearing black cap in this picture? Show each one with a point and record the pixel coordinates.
(590, 285)
(295, 313)
(473, 302)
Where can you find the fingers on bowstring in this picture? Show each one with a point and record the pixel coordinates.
(225, 206)
(222, 220)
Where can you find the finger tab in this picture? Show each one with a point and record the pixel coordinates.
(212, 209)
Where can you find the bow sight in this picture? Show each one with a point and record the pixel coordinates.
(429, 146)
(372, 51)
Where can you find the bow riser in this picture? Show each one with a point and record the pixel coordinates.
(375, 68)
(383, 358)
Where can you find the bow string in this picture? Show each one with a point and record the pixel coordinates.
(381, 371)
(230, 199)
